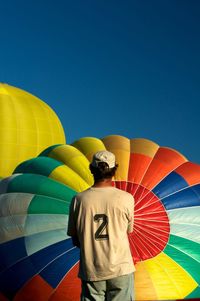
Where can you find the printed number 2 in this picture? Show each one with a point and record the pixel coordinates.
(98, 234)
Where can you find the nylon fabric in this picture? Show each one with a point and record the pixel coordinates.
(185, 198)
(73, 158)
(38, 184)
(42, 204)
(34, 211)
(171, 184)
(160, 167)
(39, 165)
(30, 126)
(67, 176)
(174, 281)
(88, 146)
(121, 147)
(188, 263)
(42, 240)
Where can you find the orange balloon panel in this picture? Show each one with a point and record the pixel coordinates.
(37, 287)
(165, 161)
(190, 172)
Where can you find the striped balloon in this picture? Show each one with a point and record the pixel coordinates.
(38, 260)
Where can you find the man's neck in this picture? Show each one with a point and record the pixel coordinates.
(103, 183)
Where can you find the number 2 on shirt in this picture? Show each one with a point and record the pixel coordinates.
(102, 227)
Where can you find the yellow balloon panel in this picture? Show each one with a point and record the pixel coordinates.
(88, 146)
(143, 283)
(74, 159)
(68, 177)
(144, 147)
(172, 281)
(27, 126)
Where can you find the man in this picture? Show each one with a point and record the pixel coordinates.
(99, 220)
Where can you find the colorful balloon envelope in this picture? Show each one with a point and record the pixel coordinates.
(38, 259)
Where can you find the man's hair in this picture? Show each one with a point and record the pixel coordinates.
(103, 171)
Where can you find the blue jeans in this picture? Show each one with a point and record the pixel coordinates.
(116, 289)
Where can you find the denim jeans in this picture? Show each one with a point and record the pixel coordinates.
(116, 289)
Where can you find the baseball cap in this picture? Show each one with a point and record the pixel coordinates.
(104, 156)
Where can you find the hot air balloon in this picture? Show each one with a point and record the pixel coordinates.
(39, 261)
(27, 126)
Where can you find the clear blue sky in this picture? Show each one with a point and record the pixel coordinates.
(109, 67)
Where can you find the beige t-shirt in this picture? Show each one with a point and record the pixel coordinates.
(101, 218)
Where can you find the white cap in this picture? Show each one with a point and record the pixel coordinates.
(104, 156)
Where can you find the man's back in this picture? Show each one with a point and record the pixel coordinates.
(104, 215)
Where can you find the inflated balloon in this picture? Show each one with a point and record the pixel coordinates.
(38, 260)
(27, 126)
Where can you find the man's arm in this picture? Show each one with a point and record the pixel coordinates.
(131, 215)
(75, 241)
(71, 231)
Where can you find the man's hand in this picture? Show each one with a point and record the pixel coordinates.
(75, 241)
